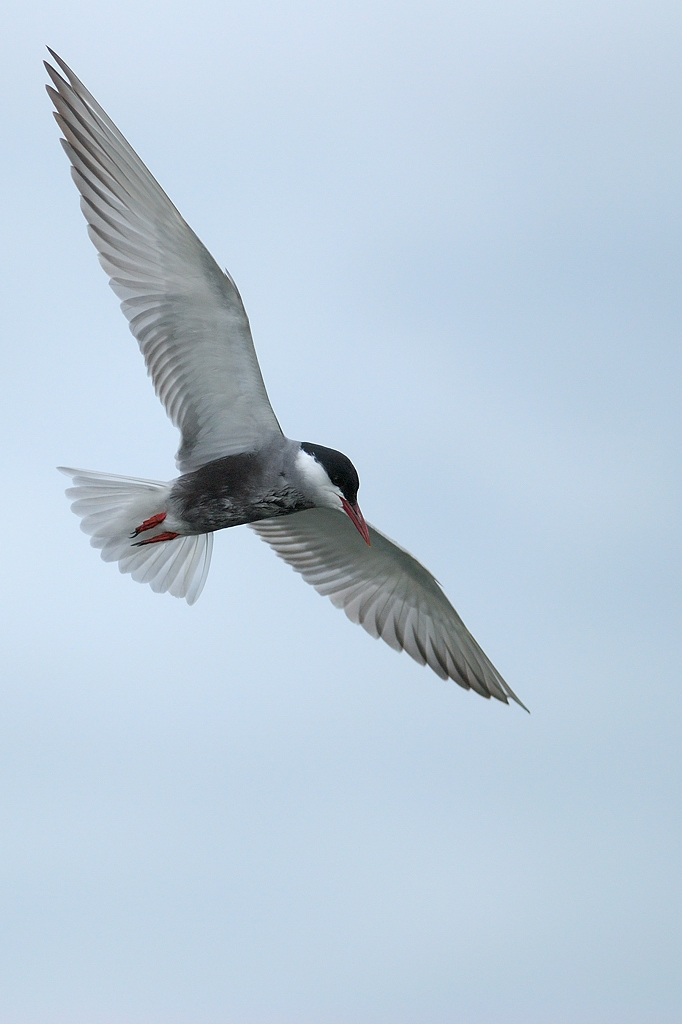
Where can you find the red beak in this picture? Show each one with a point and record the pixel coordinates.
(357, 519)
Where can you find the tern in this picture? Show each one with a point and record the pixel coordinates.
(236, 465)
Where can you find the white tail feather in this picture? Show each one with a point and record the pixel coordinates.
(112, 507)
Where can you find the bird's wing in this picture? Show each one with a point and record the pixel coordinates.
(387, 591)
(186, 314)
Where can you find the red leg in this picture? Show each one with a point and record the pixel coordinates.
(157, 540)
(149, 524)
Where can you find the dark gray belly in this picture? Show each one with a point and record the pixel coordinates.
(232, 491)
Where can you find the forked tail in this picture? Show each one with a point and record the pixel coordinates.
(112, 508)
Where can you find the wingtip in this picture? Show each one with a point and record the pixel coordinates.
(69, 77)
(55, 78)
(520, 703)
(58, 60)
(510, 696)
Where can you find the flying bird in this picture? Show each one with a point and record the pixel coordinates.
(236, 465)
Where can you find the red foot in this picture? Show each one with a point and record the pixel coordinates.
(149, 524)
(156, 540)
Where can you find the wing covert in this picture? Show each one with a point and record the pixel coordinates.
(186, 314)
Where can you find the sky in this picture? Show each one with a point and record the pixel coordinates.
(456, 229)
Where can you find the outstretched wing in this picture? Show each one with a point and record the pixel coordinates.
(387, 591)
(186, 314)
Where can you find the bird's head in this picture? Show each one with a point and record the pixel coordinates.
(332, 481)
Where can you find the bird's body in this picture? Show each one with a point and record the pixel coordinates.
(237, 466)
(241, 489)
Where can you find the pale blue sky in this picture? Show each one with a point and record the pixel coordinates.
(456, 229)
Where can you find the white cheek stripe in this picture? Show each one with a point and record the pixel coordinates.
(311, 469)
(316, 477)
